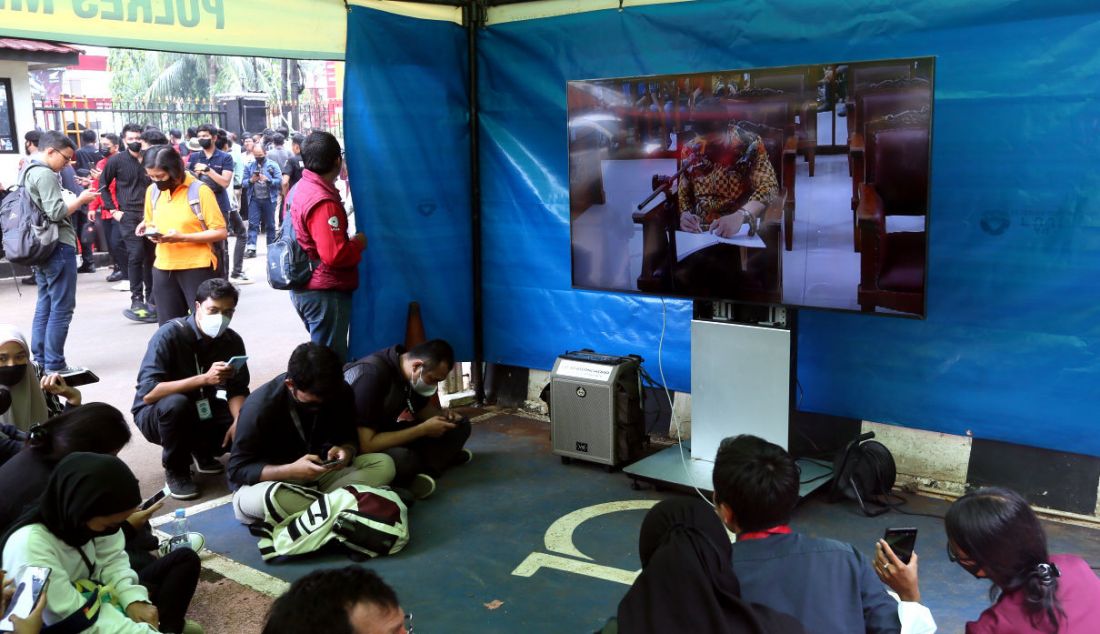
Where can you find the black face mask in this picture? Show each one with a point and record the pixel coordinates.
(11, 375)
(311, 409)
(260, 161)
(205, 144)
(134, 147)
(164, 186)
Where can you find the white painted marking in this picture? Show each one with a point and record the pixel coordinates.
(193, 510)
(559, 537)
(536, 561)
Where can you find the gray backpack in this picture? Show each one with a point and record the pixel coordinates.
(29, 237)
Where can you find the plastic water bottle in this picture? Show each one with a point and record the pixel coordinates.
(179, 522)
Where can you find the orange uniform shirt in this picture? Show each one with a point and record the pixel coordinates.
(173, 212)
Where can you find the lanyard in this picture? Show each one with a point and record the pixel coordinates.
(782, 529)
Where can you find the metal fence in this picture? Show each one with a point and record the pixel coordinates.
(107, 115)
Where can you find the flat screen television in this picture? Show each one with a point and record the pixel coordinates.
(801, 185)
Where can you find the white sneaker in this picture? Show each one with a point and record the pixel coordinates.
(124, 285)
(194, 541)
(422, 486)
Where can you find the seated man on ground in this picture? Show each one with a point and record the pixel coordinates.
(350, 600)
(188, 395)
(827, 585)
(300, 428)
(397, 415)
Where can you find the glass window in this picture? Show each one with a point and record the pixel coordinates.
(8, 143)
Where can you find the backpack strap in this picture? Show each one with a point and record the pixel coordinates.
(193, 200)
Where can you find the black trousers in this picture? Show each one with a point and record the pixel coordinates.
(240, 239)
(171, 582)
(716, 271)
(173, 423)
(174, 291)
(428, 455)
(85, 234)
(140, 252)
(116, 246)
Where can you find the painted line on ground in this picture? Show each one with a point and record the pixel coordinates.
(193, 510)
(559, 537)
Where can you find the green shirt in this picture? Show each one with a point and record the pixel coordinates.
(43, 185)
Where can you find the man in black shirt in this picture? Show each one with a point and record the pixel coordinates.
(396, 413)
(88, 154)
(293, 168)
(128, 209)
(189, 395)
(300, 428)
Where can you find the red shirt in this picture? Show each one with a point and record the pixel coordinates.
(321, 225)
(1078, 592)
(97, 202)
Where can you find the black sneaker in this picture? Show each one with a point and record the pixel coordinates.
(462, 457)
(138, 311)
(116, 276)
(181, 486)
(29, 281)
(207, 465)
(422, 486)
(87, 267)
(250, 253)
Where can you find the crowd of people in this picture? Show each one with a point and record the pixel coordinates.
(72, 506)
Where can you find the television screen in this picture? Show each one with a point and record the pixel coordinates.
(805, 185)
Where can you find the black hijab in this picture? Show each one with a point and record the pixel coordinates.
(83, 486)
(687, 582)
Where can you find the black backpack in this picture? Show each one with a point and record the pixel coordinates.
(865, 471)
(29, 237)
(289, 267)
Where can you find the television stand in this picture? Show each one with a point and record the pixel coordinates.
(742, 382)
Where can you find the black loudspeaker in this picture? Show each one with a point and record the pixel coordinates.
(244, 114)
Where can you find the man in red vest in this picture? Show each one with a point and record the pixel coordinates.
(321, 225)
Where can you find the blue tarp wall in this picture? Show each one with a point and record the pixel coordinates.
(1009, 349)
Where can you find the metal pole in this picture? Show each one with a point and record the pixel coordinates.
(473, 18)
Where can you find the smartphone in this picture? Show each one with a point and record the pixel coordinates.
(238, 362)
(902, 541)
(29, 583)
(328, 464)
(79, 376)
(153, 499)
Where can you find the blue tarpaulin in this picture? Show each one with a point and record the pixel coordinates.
(1009, 348)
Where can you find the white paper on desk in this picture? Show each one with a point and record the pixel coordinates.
(688, 243)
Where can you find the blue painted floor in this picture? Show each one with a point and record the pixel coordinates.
(489, 516)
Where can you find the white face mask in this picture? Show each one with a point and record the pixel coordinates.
(422, 388)
(213, 325)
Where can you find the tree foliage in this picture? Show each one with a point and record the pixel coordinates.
(146, 77)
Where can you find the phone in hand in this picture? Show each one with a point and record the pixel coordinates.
(237, 362)
(79, 376)
(902, 541)
(153, 499)
(152, 233)
(29, 583)
(328, 464)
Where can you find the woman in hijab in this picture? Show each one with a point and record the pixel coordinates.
(93, 427)
(74, 531)
(33, 397)
(687, 582)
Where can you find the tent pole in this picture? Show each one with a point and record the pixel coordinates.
(474, 18)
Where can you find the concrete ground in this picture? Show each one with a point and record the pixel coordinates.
(102, 339)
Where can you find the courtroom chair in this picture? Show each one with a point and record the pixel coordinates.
(801, 97)
(892, 264)
(660, 224)
(884, 99)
